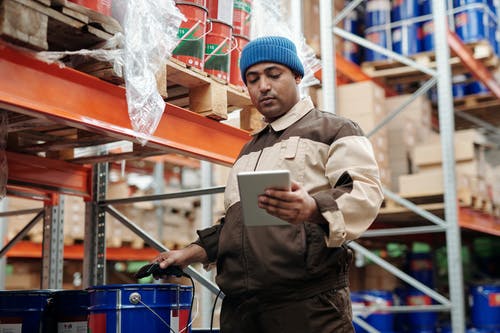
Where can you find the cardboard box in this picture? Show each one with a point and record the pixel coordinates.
(431, 154)
(431, 183)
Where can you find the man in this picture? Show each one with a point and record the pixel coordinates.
(290, 278)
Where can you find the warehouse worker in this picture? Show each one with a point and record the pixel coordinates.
(291, 278)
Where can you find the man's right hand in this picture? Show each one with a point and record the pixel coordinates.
(193, 253)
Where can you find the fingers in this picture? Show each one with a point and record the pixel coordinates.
(293, 206)
(165, 259)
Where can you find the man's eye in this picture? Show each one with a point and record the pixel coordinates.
(275, 76)
(252, 80)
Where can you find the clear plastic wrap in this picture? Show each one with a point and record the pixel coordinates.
(149, 36)
(150, 29)
(3, 157)
(267, 20)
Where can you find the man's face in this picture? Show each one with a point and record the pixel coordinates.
(272, 88)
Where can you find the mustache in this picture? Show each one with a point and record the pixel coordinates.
(266, 97)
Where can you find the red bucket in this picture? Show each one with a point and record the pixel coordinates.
(191, 35)
(235, 75)
(242, 13)
(221, 10)
(101, 6)
(218, 49)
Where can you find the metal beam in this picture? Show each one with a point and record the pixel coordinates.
(21, 234)
(176, 195)
(327, 60)
(446, 129)
(382, 50)
(53, 246)
(157, 245)
(48, 175)
(400, 274)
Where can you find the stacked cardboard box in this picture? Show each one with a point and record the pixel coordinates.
(409, 128)
(469, 167)
(363, 103)
(16, 223)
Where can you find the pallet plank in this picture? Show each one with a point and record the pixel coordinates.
(23, 25)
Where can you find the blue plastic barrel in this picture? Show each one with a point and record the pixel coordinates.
(377, 35)
(406, 38)
(381, 320)
(351, 51)
(476, 87)
(472, 23)
(425, 7)
(71, 310)
(27, 311)
(485, 306)
(492, 32)
(427, 36)
(404, 9)
(358, 304)
(421, 321)
(132, 308)
(378, 12)
(459, 86)
(458, 3)
(421, 267)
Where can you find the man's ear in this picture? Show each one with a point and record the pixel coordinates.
(298, 78)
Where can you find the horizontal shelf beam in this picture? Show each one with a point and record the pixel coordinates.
(66, 96)
(26, 249)
(48, 175)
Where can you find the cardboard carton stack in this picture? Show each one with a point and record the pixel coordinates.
(74, 216)
(469, 167)
(409, 128)
(363, 103)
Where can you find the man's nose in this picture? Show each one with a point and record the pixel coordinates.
(264, 84)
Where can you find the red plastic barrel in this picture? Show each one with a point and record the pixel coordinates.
(235, 75)
(191, 35)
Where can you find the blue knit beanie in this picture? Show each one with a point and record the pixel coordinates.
(276, 49)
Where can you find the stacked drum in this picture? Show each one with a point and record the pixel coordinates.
(213, 36)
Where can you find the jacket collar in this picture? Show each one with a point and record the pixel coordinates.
(295, 113)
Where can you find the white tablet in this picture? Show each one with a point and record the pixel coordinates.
(251, 185)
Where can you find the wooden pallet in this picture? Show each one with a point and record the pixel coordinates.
(434, 202)
(54, 26)
(190, 88)
(483, 106)
(392, 72)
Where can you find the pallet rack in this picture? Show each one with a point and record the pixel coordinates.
(23, 91)
(454, 217)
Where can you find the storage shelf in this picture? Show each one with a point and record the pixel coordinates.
(77, 100)
(467, 218)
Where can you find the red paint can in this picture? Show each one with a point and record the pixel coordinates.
(235, 76)
(220, 10)
(219, 44)
(191, 34)
(101, 6)
(242, 14)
